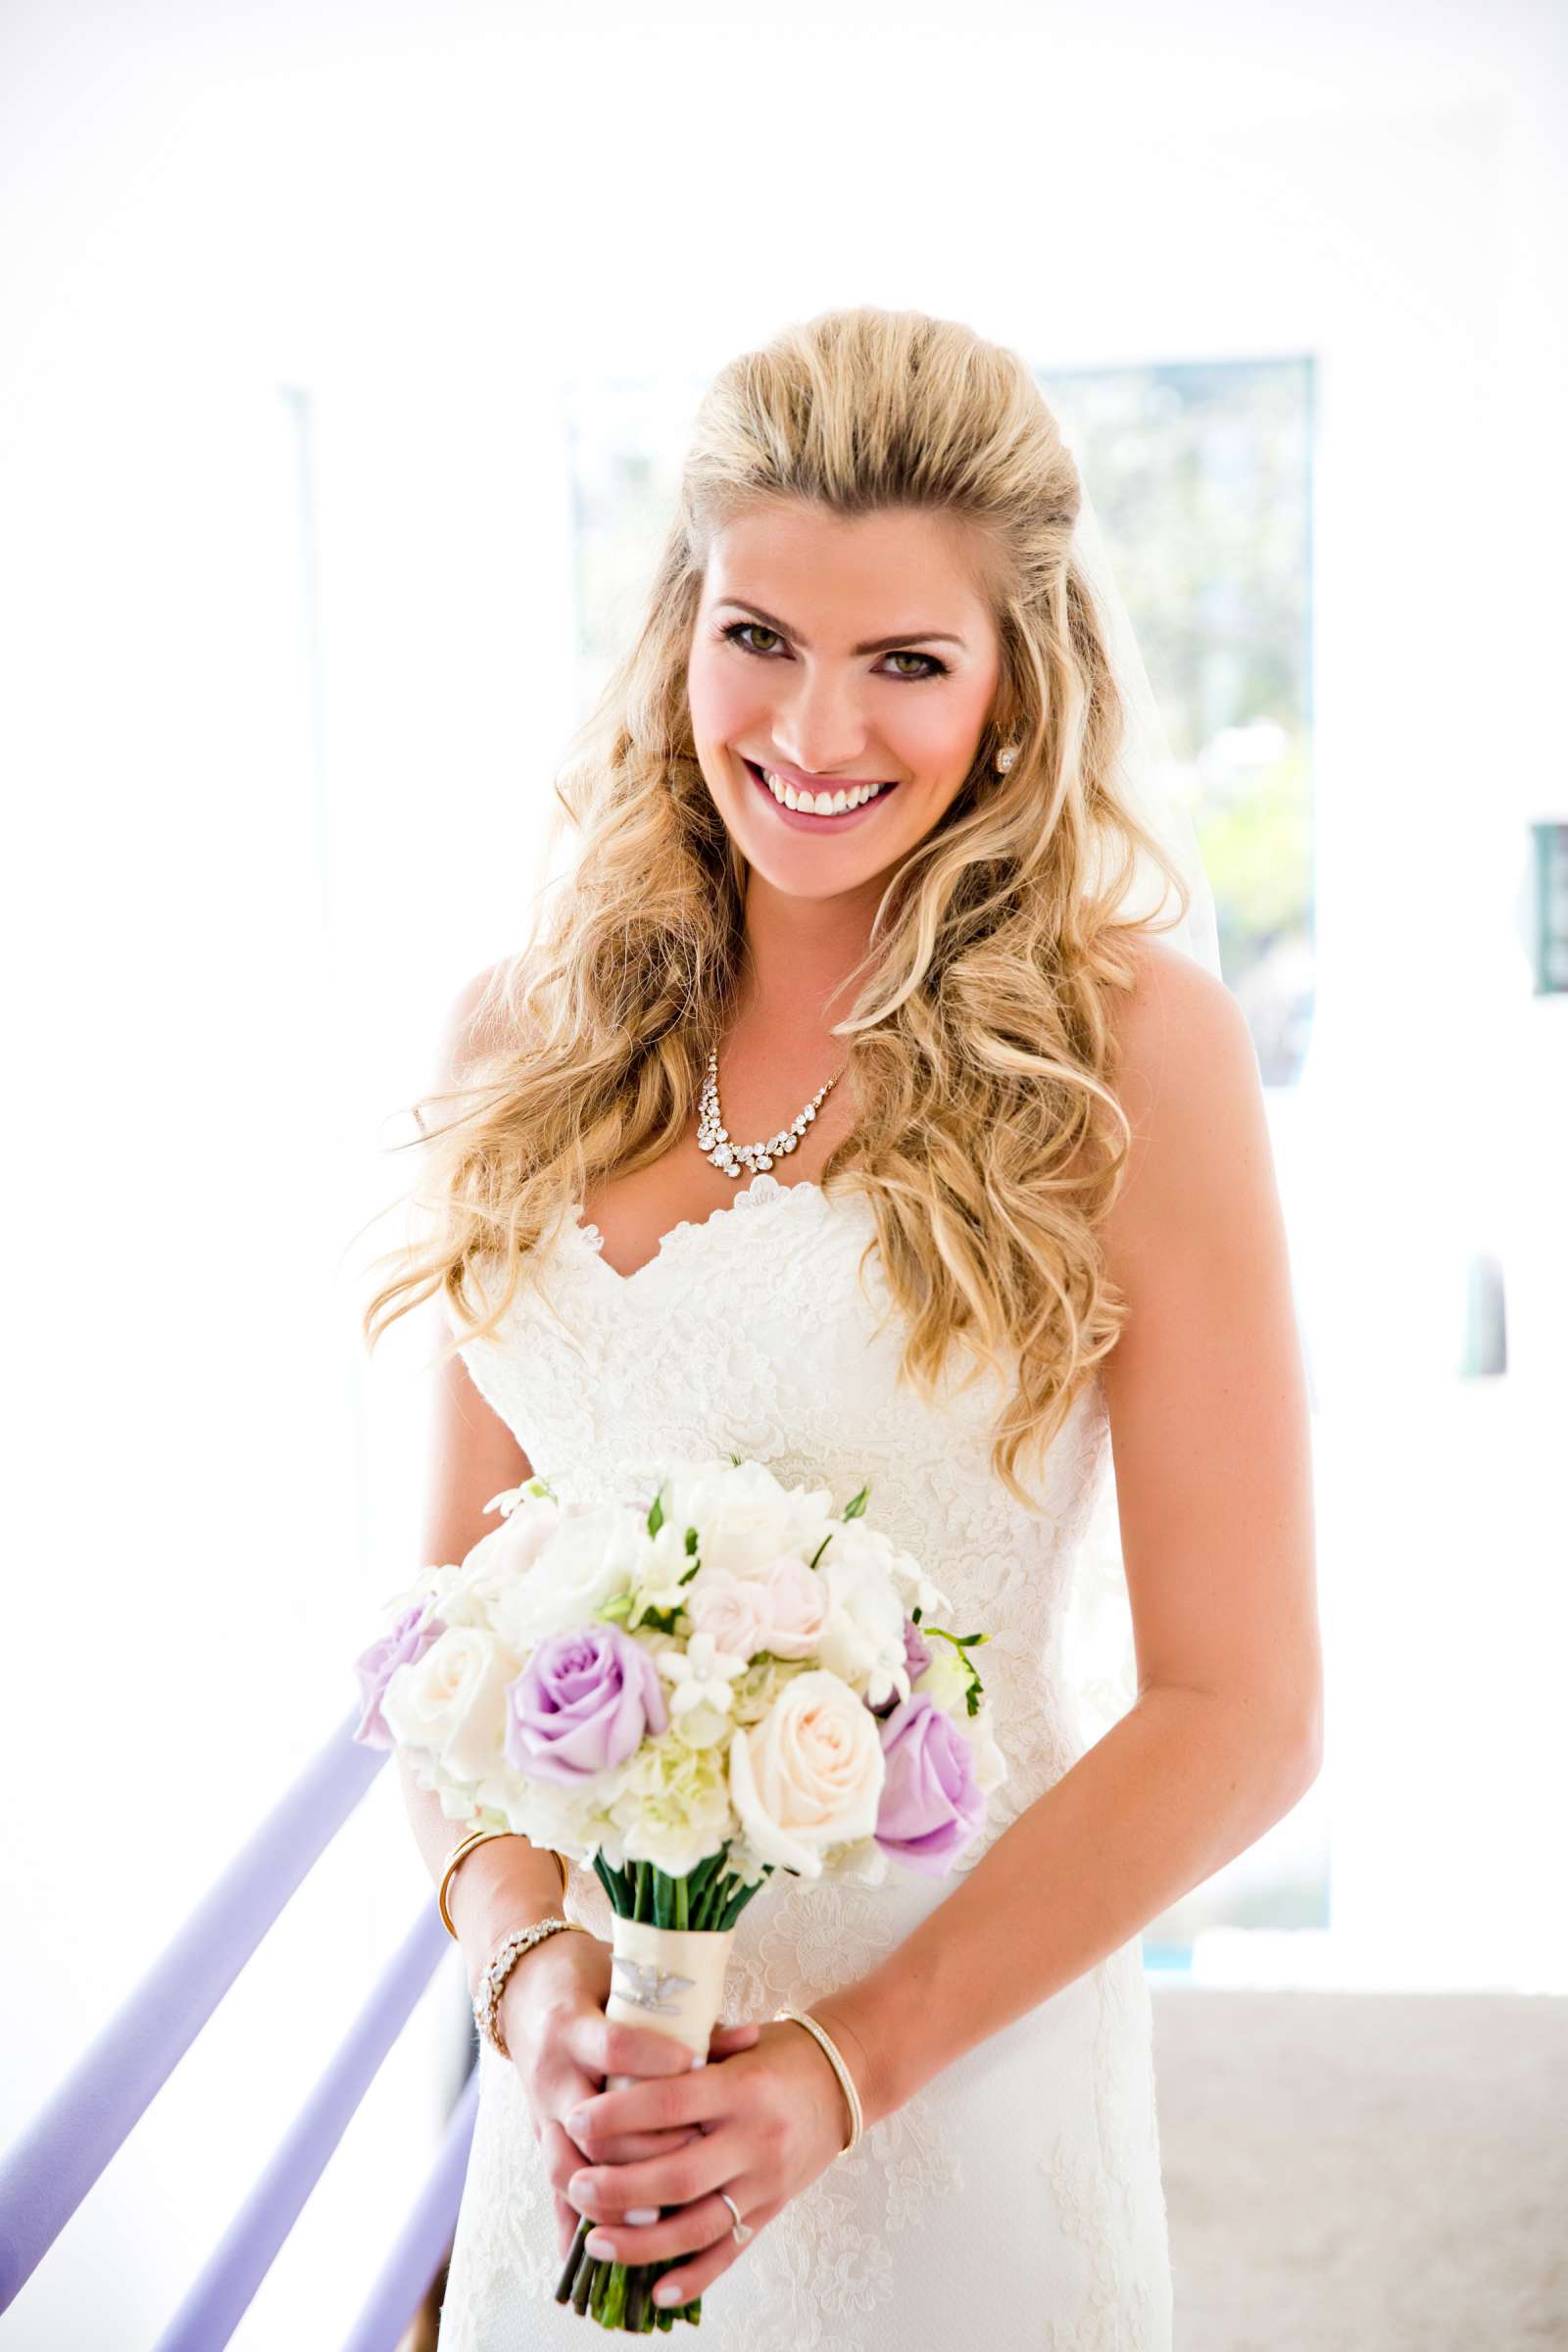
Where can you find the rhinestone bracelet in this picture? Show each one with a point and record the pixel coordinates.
(499, 1967)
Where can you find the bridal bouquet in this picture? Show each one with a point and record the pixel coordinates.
(687, 1694)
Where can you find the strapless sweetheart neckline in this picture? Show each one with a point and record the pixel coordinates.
(764, 1187)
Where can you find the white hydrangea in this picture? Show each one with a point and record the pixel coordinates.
(672, 1807)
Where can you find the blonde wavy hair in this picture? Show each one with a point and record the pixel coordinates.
(990, 1143)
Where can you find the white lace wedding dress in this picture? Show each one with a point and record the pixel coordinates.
(1016, 2200)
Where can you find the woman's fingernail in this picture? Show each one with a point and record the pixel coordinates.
(598, 2244)
(666, 2292)
(641, 2215)
(576, 2120)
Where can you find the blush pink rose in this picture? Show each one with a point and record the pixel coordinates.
(794, 1601)
(729, 1609)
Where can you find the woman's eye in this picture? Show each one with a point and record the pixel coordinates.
(736, 628)
(738, 631)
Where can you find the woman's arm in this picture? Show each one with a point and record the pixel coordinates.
(1210, 1435)
(473, 1456)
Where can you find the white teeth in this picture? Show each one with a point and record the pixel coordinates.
(821, 804)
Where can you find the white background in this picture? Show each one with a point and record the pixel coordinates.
(341, 260)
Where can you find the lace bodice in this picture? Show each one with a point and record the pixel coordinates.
(749, 1333)
(746, 1333)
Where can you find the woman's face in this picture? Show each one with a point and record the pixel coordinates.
(838, 655)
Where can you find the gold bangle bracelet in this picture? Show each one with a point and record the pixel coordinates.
(463, 1847)
(830, 2051)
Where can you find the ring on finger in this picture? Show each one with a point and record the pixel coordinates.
(740, 2233)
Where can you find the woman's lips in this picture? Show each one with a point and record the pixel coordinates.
(804, 820)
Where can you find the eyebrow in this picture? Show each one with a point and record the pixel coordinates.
(877, 645)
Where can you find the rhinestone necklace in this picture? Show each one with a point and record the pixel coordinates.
(713, 1136)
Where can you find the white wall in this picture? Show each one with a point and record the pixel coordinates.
(241, 895)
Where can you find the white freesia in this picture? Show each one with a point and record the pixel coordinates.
(590, 1557)
(809, 1774)
(945, 1682)
(451, 1703)
(908, 1580)
(510, 1496)
(864, 1636)
(990, 1764)
(662, 1562)
(911, 1582)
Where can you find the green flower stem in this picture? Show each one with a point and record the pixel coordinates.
(582, 2287)
(574, 2259)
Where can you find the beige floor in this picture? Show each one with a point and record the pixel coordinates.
(1387, 2172)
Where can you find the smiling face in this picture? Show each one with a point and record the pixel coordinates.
(839, 654)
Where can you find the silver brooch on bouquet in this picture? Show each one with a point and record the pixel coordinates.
(649, 1987)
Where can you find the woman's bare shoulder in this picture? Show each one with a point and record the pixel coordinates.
(1178, 1021)
(1188, 1079)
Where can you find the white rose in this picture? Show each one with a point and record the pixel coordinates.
(498, 1562)
(744, 1518)
(451, 1703)
(863, 1639)
(809, 1774)
(589, 1557)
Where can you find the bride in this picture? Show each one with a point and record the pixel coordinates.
(850, 1114)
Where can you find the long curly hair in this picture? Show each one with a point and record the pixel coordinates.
(989, 1140)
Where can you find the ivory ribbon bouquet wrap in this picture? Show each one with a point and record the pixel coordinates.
(689, 1693)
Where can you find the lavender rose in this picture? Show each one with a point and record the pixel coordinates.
(584, 1702)
(931, 1807)
(412, 1633)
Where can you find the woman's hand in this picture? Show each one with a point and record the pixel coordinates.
(761, 2127)
(563, 2045)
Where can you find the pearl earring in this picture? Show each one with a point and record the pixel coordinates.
(1006, 758)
